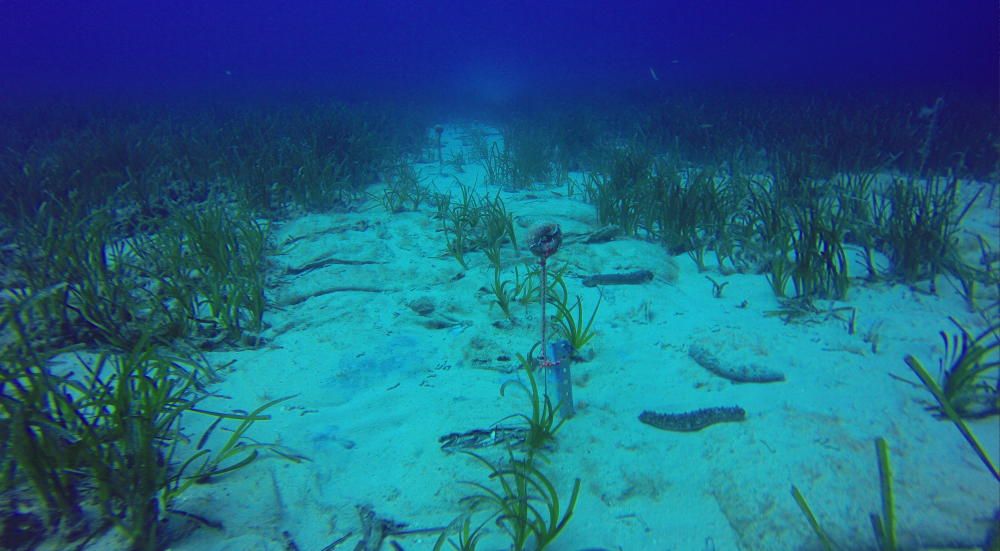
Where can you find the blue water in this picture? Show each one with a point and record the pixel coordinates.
(494, 53)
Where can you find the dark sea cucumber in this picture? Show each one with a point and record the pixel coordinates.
(628, 278)
(692, 421)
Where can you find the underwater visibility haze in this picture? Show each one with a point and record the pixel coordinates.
(515, 275)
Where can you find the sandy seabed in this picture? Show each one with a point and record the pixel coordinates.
(376, 383)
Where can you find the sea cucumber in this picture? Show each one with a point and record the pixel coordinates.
(746, 373)
(628, 278)
(692, 421)
(481, 438)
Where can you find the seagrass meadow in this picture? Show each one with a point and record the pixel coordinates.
(255, 296)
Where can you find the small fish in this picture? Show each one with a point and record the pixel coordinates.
(653, 74)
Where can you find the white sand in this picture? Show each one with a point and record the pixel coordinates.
(375, 389)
